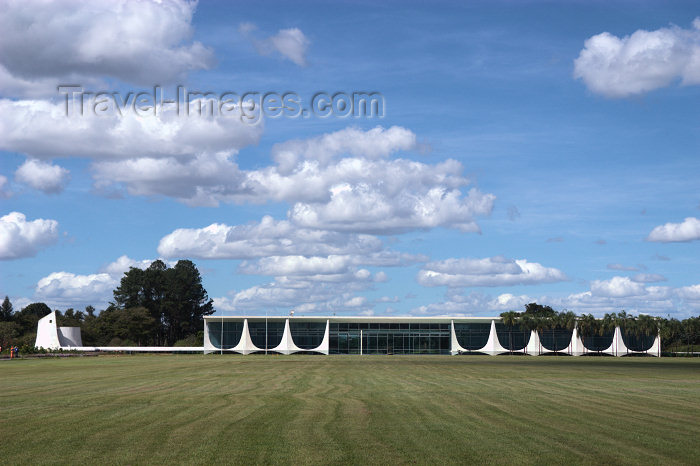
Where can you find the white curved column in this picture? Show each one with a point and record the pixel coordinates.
(286, 345)
(245, 344)
(533, 345)
(493, 346)
(655, 349)
(455, 347)
(620, 347)
(325, 345)
(575, 347)
(207, 345)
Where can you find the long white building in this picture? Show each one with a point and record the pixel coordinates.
(371, 335)
(407, 335)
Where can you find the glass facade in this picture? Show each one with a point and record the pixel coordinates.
(389, 338)
(275, 331)
(598, 342)
(232, 332)
(307, 335)
(637, 342)
(472, 337)
(515, 339)
(398, 337)
(556, 340)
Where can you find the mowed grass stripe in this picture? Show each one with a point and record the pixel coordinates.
(200, 409)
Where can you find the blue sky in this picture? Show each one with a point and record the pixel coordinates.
(528, 152)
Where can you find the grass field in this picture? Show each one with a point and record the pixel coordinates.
(358, 409)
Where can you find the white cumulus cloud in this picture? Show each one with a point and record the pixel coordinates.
(688, 230)
(4, 188)
(690, 293)
(648, 278)
(142, 42)
(375, 143)
(22, 238)
(65, 286)
(70, 289)
(41, 129)
(308, 294)
(269, 237)
(43, 176)
(617, 287)
(641, 62)
(290, 43)
(490, 271)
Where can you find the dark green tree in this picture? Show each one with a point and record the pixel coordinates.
(6, 310)
(8, 332)
(29, 316)
(174, 297)
(70, 318)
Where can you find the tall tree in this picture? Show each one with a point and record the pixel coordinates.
(6, 310)
(8, 332)
(187, 301)
(174, 298)
(29, 316)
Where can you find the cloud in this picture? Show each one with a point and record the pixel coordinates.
(70, 289)
(372, 144)
(513, 213)
(191, 160)
(474, 304)
(357, 301)
(617, 287)
(690, 293)
(65, 287)
(622, 267)
(655, 300)
(43, 176)
(298, 265)
(312, 294)
(641, 62)
(45, 43)
(20, 238)
(4, 188)
(212, 177)
(42, 130)
(648, 278)
(490, 271)
(688, 230)
(122, 265)
(371, 208)
(269, 237)
(354, 194)
(290, 43)
(387, 299)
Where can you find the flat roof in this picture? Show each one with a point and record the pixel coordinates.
(358, 319)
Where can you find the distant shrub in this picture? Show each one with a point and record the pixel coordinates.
(192, 340)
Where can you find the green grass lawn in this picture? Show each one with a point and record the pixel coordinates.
(349, 409)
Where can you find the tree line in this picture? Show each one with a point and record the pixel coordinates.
(676, 335)
(165, 306)
(158, 306)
